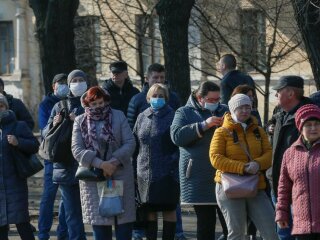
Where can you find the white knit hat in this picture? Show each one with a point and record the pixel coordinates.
(239, 100)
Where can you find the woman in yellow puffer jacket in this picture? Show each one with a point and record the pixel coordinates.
(227, 155)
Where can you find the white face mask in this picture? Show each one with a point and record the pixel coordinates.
(78, 88)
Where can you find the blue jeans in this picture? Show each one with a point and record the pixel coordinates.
(283, 233)
(46, 207)
(123, 232)
(236, 210)
(179, 228)
(73, 213)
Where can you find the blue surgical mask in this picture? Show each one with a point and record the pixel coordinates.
(62, 90)
(211, 106)
(157, 103)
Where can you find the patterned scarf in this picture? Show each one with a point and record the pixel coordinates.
(88, 126)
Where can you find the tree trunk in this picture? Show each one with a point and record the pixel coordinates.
(266, 99)
(173, 22)
(307, 16)
(54, 27)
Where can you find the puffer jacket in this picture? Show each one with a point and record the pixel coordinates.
(158, 156)
(13, 189)
(298, 189)
(121, 149)
(198, 188)
(228, 156)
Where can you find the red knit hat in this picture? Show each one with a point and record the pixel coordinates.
(306, 112)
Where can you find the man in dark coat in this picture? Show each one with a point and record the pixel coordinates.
(290, 98)
(138, 103)
(18, 107)
(119, 86)
(60, 91)
(231, 77)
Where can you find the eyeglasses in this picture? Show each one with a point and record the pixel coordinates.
(212, 100)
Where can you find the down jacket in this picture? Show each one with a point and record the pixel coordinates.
(13, 189)
(198, 188)
(299, 188)
(121, 149)
(228, 156)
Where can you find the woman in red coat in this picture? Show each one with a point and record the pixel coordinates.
(298, 188)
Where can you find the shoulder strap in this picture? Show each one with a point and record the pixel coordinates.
(235, 138)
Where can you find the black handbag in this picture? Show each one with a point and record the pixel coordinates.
(26, 164)
(141, 211)
(92, 173)
(164, 191)
(56, 145)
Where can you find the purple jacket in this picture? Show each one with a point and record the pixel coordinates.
(299, 186)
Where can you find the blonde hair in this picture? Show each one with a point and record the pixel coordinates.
(156, 87)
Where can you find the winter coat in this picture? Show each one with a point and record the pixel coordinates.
(120, 97)
(138, 104)
(158, 156)
(285, 134)
(64, 172)
(45, 108)
(194, 145)
(230, 81)
(21, 111)
(121, 149)
(228, 156)
(299, 188)
(13, 189)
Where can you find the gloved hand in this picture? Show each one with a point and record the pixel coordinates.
(251, 167)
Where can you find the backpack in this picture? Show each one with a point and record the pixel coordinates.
(56, 145)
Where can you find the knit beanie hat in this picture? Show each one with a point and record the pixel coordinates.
(306, 112)
(59, 77)
(4, 100)
(237, 101)
(76, 73)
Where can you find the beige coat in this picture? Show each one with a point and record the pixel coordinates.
(122, 149)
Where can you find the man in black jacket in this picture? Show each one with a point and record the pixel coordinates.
(290, 99)
(18, 107)
(119, 86)
(231, 77)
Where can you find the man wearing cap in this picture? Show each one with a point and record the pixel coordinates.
(120, 86)
(290, 99)
(60, 91)
(18, 107)
(231, 77)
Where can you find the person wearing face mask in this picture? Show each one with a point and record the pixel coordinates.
(60, 91)
(102, 138)
(192, 130)
(14, 189)
(157, 163)
(238, 140)
(64, 171)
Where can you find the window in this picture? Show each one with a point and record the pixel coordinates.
(253, 38)
(148, 41)
(6, 48)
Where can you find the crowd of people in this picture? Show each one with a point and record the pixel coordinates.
(147, 151)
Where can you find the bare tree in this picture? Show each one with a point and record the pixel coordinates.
(307, 14)
(54, 28)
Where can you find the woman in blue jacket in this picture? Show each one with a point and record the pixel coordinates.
(192, 130)
(14, 136)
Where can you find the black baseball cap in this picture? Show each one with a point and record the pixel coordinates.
(289, 81)
(59, 77)
(118, 67)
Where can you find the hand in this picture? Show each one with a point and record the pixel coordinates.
(12, 140)
(57, 119)
(72, 116)
(283, 224)
(108, 169)
(271, 129)
(213, 121)
(251, 167)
